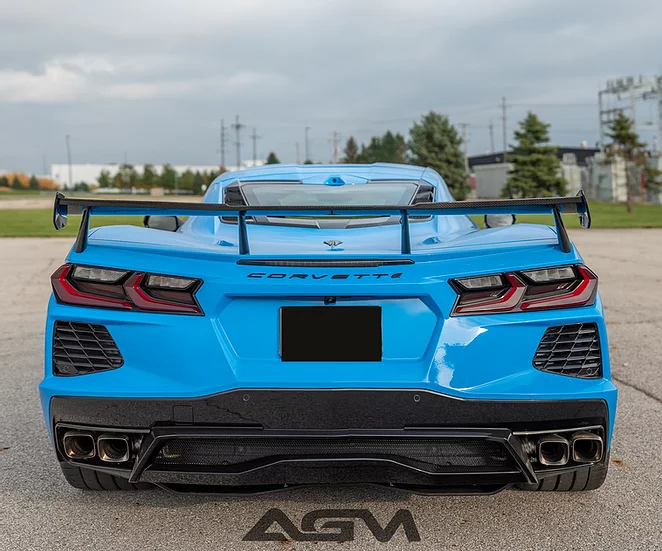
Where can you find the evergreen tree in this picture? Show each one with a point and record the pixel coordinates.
(16, 184)
(393, 149)
(34, 183)
(435, 142)
(4, 182)
(351, 151)
(272, 159)
(627, 146)
(536, 168)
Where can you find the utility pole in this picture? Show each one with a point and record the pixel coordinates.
(298, 157)
(306, 145)
(465, 142)
(237, 126)
(491, 127)
(67, 140)
(504, 119)
(255, 138)
(334, 147)
(222, 143)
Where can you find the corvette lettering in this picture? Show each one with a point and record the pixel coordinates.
(332, 528)
(264, 275)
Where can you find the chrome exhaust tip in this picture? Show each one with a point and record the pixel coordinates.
(586, 447)
(553, 450)
(114, 448)
(78, 445)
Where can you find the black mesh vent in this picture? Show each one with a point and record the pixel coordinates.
(572, 350)
(80, 348)
(429, 454)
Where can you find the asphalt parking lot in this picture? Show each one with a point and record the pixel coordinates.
(38, 510)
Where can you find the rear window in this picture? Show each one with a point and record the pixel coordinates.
(290, 195)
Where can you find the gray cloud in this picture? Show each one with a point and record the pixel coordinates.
(153, 78)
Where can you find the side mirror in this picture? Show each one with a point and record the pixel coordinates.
(165, 223)
(499, 220)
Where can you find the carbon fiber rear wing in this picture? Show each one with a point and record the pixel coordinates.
(556, 206)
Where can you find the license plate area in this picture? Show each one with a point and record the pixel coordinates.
(331, 333)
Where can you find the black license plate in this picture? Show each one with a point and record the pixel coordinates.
(331, 333)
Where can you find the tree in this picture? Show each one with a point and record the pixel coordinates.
(393, 149)
(627, 146)
(105, 179)
(435, 142)
(536, 168)
(16, 184)
(185, 181)
(351, 151)
(198, 183)
(149, 178)
(308, 162)
(272, 159)
(127, 177)
(4, 182)
(168, 177)
(34, 183)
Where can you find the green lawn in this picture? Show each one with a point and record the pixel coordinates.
(38, 222)
(25, 194)
(603, 215)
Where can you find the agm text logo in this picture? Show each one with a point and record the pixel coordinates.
(333, 525)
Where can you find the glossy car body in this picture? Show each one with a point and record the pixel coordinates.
(219, 377)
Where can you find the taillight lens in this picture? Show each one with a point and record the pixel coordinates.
(125, 290)
(542, 289)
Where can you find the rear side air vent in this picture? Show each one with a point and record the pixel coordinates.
(80, 348)
(572, 350)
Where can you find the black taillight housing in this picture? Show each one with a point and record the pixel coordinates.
(125, 290)
(526, 290)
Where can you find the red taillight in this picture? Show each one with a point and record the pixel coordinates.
(543, 289)
(107, 288)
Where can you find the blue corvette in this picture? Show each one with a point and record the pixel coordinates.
(327, 324)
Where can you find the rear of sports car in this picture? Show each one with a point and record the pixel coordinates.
(473, 368)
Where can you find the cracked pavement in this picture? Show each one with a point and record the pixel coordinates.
(38, 510)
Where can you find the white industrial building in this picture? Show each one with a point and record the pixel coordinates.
(88, 173)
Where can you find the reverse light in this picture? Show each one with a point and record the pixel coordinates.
(541, 289)
(125, 290)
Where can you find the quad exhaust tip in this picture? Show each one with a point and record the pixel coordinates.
(553, 450)
(586, 447)
(78, 445)
(114, 448)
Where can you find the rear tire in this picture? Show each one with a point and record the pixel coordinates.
(580, 480)
(87, 479)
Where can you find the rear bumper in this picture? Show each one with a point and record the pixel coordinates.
(256, 440)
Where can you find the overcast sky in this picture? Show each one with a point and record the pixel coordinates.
(151, 79)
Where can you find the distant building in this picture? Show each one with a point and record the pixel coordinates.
(491, 173)
(89, 173)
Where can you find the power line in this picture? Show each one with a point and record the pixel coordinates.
(237, 126)
(255, 138)
(222, 151)
(504, 122)
(306, 145)
(491, 127)
(66, 139)
(334, 146)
